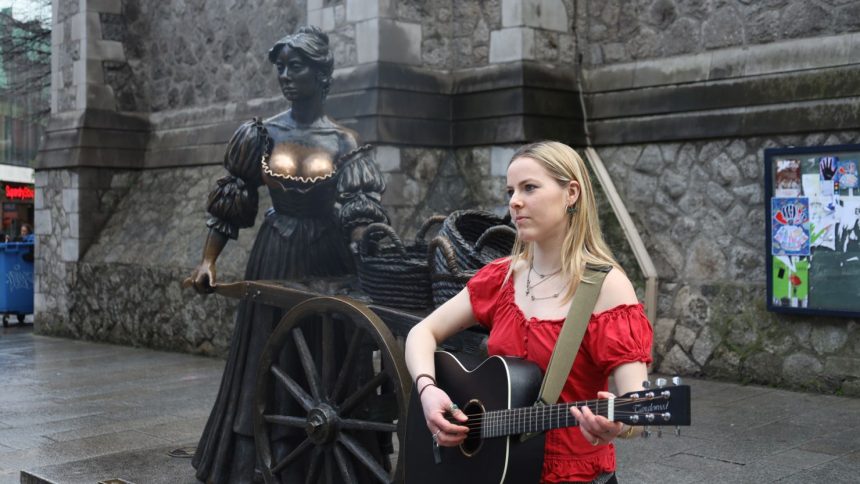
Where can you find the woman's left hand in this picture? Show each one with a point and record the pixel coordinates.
(595, 428)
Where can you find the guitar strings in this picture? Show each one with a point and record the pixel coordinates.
(476, 420)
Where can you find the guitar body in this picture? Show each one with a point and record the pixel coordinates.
(497, 383)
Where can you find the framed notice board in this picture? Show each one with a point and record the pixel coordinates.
(812, 199)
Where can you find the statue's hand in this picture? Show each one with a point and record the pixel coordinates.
(203, 278)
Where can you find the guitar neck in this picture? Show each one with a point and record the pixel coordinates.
(500, 423)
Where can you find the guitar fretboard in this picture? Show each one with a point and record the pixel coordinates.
(499, 423)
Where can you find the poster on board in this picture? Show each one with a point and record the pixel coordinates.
(813, 229)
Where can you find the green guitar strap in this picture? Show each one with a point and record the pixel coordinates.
(570, 337)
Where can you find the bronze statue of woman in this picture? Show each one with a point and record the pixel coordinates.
(324, 189)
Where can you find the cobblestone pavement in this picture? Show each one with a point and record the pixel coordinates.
(80, 412)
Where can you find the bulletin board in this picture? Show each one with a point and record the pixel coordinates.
(812, 206)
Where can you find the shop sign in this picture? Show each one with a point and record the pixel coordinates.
(19, 193)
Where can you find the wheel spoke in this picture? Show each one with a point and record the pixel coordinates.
(345, 466)
(293, 388)
(346, 368)
(349, 404)
(328, 353)
(364, 457)
(307, 360)
(353, 424)
(329, 468)
(287, 420)
(313, 467)
(292, 456)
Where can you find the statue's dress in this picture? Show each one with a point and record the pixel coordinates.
(321, 186)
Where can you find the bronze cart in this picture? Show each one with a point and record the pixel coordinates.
(344, 329)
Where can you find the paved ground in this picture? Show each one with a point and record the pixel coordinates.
(76, 412)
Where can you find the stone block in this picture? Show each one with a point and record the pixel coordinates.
(841, 365)
(358, 10)
(93, 25)
(42, 222)
(367, 41)
(500, 157)
(399, 42)
(388, 158)
(327, 21)
(685, 337)
(315, 18)
(801, 368)
(77, 24)
(316, 4)
(104, 6)
(663, 329)
(828, 338)
(512, 44)
(95, 73)
(553, 15)
(70, 249)
(106, 50)
(100, 96)
(71, 200)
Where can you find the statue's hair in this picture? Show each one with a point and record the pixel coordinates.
(583, 242)
(312, 44)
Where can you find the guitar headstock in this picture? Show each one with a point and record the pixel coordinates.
(659, 405)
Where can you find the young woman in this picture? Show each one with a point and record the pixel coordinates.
(524, 299)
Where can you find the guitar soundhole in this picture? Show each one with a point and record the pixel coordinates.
(475, 410)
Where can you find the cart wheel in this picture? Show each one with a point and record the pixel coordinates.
(20, 318)
(5, 320)
(349, 389)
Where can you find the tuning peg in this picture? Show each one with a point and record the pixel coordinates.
(676, 380)
(678, 430)
(646, 384)
(661, 382)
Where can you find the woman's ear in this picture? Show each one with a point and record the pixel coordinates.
(573, 192)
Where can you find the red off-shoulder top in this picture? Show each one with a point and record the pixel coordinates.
(613, 337)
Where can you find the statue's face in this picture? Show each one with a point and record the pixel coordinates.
(298, 79)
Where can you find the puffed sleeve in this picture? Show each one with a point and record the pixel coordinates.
(233, 203)
(485, 289)
(359, 190)
(620, 335)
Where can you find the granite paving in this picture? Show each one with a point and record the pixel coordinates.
(80, 412)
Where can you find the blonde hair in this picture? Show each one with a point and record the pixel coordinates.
(583, 242)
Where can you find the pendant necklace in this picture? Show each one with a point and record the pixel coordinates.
(544, 278)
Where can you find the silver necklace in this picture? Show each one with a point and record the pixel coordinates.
(544, 278)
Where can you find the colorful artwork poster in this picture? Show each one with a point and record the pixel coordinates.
(848, 234)
(822, 222)
(790, 282)
(788, 179)
(827, 166)
(846, 174)
(790, 226)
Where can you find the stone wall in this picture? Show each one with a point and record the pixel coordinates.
(700, 208)
(623, 31)
(196, 53)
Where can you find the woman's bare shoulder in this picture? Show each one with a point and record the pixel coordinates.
(617, 290)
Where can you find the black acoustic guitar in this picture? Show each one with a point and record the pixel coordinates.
(498, 396)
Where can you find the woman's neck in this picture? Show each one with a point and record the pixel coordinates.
(546, 258)
(306, 111)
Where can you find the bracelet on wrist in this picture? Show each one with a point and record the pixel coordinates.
(424, 388)
(425, 375)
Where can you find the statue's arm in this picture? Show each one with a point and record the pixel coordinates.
(203, 277)
(233, 203)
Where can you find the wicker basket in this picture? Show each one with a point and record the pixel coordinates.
(463, 228)
(448, 276)
(395, 274)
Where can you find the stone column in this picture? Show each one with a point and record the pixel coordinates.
(87, 155)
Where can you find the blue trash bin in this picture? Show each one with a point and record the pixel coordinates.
(16, 279)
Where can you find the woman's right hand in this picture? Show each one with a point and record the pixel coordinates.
(437, 404)
(203, 277)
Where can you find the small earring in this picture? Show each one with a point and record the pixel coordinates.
(571, 209)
